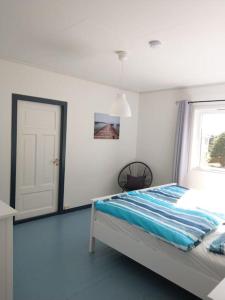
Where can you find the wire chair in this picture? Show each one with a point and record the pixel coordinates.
(134, 176)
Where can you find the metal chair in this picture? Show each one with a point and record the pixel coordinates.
(134, 176)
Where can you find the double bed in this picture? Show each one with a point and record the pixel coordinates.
(196, 270)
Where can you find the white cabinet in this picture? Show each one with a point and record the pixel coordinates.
(6, 251)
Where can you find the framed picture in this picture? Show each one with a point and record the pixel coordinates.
(106, 126)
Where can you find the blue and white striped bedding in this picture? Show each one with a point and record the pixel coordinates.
(156, 211)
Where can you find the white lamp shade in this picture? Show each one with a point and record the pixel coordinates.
(120, 108)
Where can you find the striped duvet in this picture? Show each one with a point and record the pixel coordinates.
(156, 211)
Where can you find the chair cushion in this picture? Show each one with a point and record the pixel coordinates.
(135, 182)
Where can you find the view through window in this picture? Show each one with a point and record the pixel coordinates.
(212, 139)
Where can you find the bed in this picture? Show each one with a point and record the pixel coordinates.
(197, 270)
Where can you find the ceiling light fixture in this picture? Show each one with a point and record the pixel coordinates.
(121, 107)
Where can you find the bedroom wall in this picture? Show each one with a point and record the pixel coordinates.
(92, 165)
(156, 131)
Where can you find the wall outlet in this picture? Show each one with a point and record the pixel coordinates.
(66, 206)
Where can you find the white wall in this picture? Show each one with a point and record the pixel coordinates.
(92, 165)
(157, 124)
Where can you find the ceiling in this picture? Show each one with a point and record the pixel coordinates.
(79, 37)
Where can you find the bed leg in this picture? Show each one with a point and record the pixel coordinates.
(92, 238)
(92, 245)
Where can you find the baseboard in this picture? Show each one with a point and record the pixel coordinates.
(65, 211)
(72, 209)
(34, 218)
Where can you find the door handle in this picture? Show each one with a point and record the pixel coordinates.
(56, 161)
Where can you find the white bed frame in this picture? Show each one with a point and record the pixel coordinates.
(186, 277)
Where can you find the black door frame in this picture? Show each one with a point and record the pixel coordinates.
(15, 99)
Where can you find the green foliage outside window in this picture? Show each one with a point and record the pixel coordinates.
(217, 149)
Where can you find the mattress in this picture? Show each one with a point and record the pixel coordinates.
(199, 258)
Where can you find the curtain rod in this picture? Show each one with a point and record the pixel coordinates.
(190, 102)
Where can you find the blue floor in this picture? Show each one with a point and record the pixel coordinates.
(51, 262)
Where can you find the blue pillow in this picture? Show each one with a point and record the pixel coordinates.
(218, 245)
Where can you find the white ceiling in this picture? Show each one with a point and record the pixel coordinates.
(78, 37)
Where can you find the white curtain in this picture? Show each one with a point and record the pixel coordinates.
(180, 164)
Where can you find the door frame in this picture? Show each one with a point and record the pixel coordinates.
(63, 127)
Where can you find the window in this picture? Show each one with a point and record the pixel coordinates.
(208, 138)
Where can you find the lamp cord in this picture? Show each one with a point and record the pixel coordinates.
(122, 73)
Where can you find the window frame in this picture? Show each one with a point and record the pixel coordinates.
(197, 112)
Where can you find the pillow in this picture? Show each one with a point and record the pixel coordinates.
(135, 182)
(218, 245)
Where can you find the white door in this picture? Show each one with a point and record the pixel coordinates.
(37, 165)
